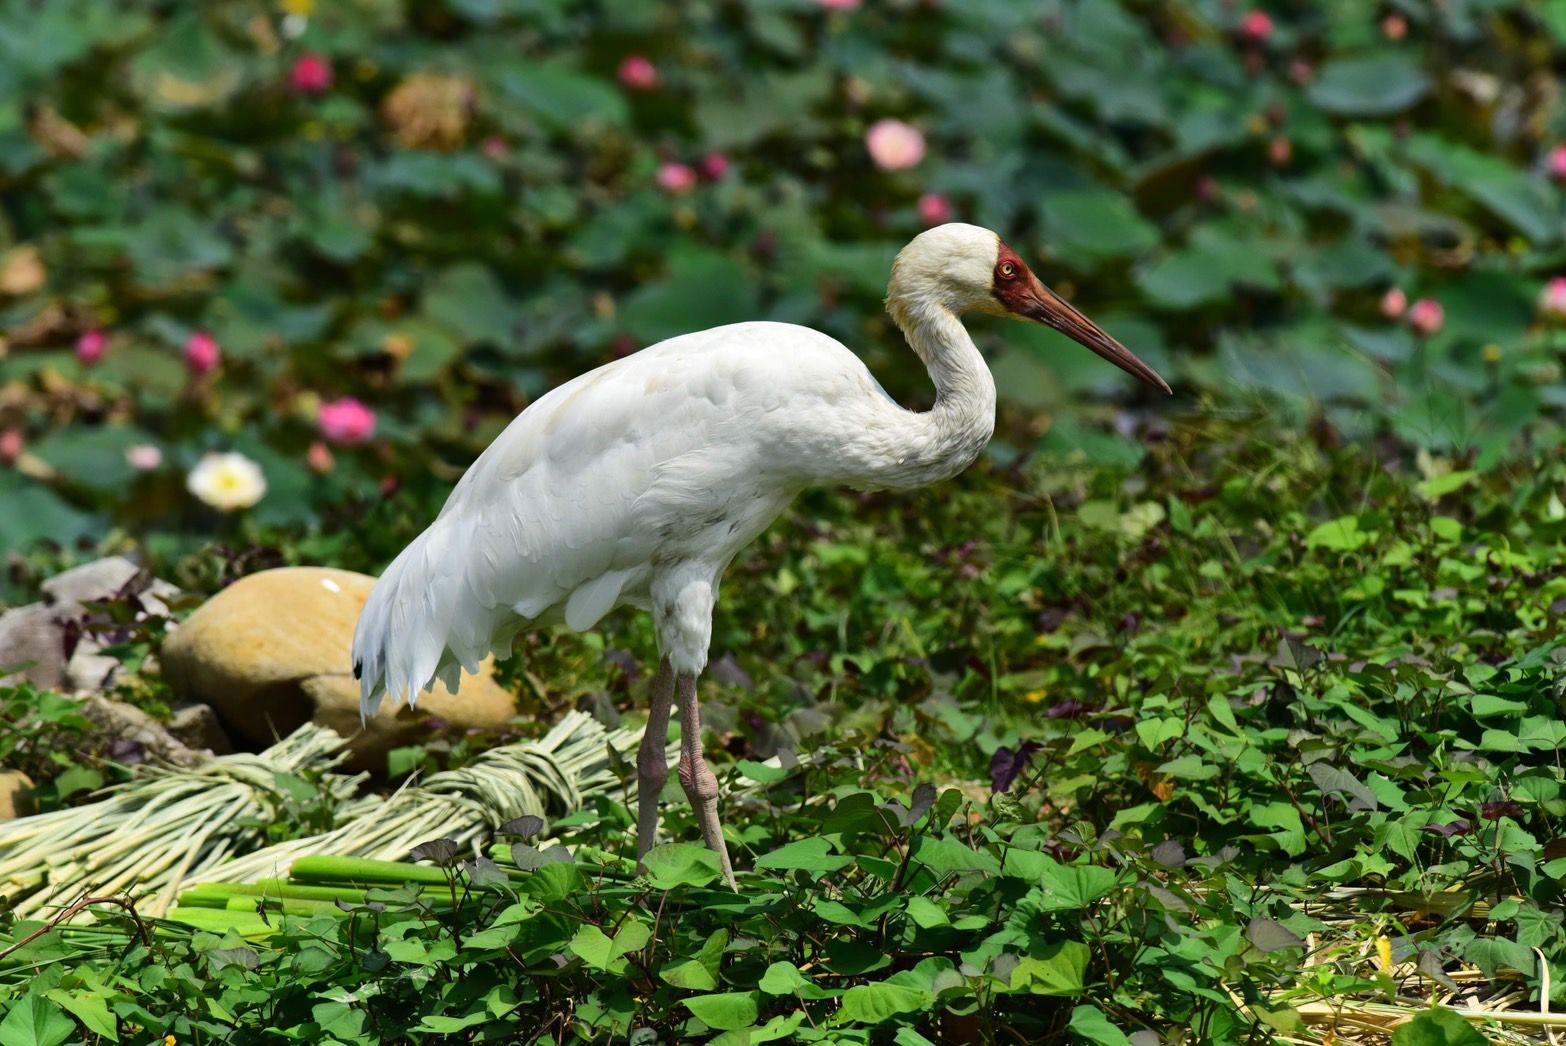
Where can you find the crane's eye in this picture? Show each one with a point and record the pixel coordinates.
(1008, 270)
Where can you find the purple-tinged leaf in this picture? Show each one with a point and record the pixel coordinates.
(526, 826)
(441, 851)
(1006, 764)
(1449, 829)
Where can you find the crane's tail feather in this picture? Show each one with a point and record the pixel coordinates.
(419, 625)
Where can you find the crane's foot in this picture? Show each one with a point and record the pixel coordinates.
(701, 788)
(652, 761)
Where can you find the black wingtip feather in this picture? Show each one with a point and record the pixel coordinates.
(358, 669)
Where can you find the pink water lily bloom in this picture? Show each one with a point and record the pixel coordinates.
(90, 347)
(1552, 300)
(11, 444)
(637, 73)
(1394, 303)
(311, 74)
(1256, 25)
(319, 457)
(345, 421)
(1557, 163)
(143, 457)
(894, 145)
(202, 354)
(1426, 316)
(676, 178)
(934, 209)
(714, 166)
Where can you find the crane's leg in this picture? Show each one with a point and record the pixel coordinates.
(652, 761)
(701, 787)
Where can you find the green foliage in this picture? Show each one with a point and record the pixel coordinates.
(445, 209)
(1309, 703)
(41, 735)
(1276, 676)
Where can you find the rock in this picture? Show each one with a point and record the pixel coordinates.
(133, 736)
(35, 636)
(14, 800)
(273, 650)
(197, 726)
(42, 632)
(90, 672)
(104, 579)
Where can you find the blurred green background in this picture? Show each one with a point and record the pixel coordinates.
(218, 219)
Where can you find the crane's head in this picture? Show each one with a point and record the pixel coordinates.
(966, 268)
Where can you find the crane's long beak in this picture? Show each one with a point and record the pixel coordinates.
(1052, 310)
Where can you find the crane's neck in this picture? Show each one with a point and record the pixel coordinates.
(939, 443)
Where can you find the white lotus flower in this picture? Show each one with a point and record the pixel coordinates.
(227, 481)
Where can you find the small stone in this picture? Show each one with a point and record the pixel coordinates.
(34, 636)
(14, 800)
(197, 726)
(274, 650)
(89, 671)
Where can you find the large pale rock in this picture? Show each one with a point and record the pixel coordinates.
(274, 650)
(14, 800)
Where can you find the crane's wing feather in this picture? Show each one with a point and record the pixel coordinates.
(562, 514)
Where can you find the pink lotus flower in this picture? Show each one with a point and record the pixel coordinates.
(1393, 303)
(1556, 164)
(319, 457)
(1280, 151)
(201, 353)
(1256, 25)
(1552, 300)
(894, 145)
(714, 166)
(90, 347)
(677, 178)
(494, 147)
(11, 443)
(345, 421)
(637, 73)
(311, 74)
(1394, 27)
(143, 457)
(838, 5)
(1426, 316)
(934, 209)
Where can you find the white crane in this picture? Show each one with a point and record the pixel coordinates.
(636, 484)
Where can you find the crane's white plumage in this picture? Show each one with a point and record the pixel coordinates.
(669, 460)
(636, 483)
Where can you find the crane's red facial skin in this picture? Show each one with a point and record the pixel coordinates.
(1022, 294)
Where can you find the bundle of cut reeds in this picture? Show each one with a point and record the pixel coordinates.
(557, 774)
(171, 828)
(156, 832)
